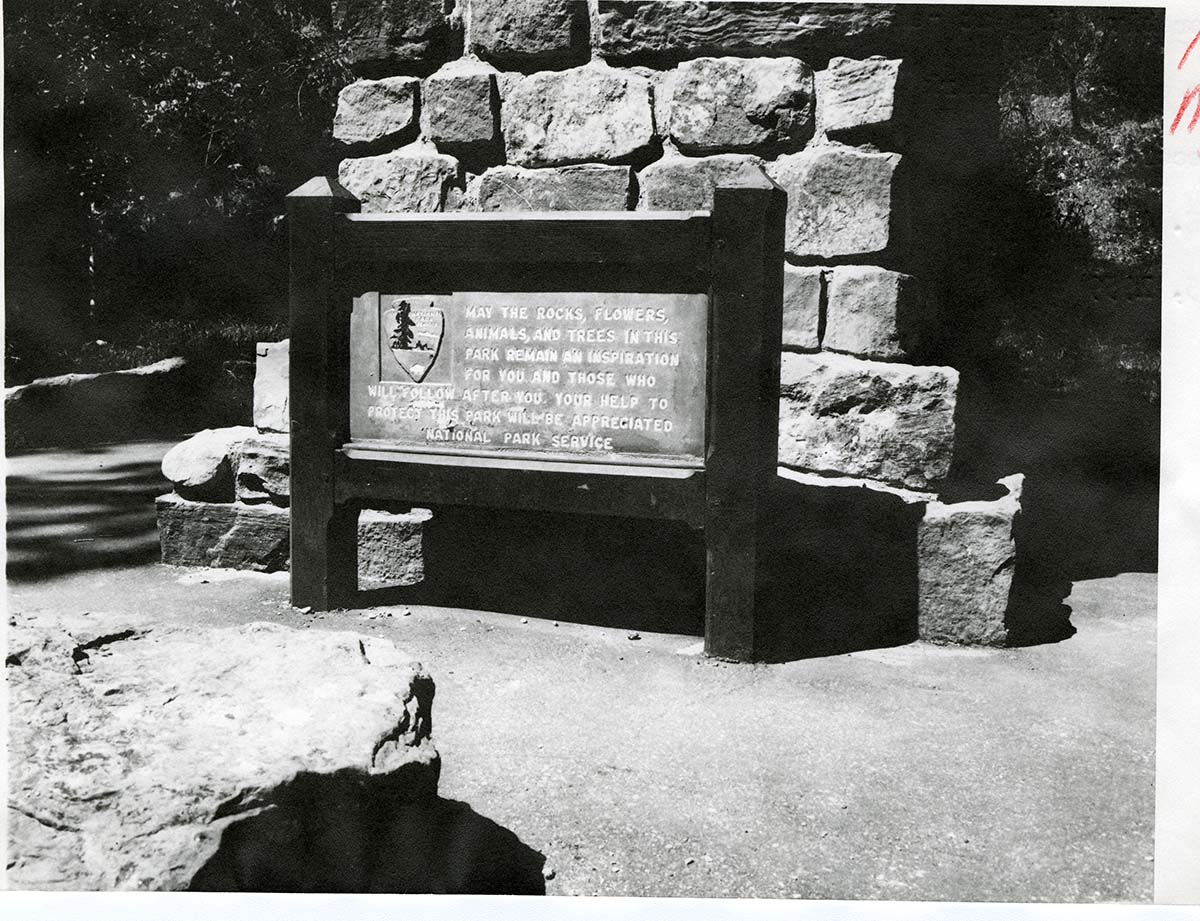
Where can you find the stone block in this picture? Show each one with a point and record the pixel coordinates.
(587, 187)
(370, 111)
(741, 104)
(966, 560)
(202, 466)
(233, 535)
(384, 37)
(263, 470)
(686, 183)
(875, 313)
(857, 100)
(531, 33)
(142, 756)
(271, 387)
(840, 200)
(663, 32)
(414, 178)
(803, 290)
(460, 106)
(593, 112)
(847, 416)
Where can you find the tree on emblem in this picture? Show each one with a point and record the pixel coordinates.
(402, 335)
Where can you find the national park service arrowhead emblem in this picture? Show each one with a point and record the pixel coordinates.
(415, 337)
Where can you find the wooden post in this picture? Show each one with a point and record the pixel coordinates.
(324, 535)
(744, 333)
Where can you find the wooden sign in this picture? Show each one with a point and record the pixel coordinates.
(609, 363)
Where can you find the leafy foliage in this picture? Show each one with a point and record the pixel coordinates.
(155, 140)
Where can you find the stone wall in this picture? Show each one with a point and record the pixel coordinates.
(874, 119)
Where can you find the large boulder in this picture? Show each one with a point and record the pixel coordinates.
(236, 535)
(592, 112)
(383, 37)
(531, 33)
(371, 111)
(586, 187)
(662, 32)
(254, 758)
(840, 200)
(271, 387)
(966, 556)
(677, 183)
(460, 107)
(846, 416)
(202, 466)
(263, 469)
(414, 178)
(741, 104)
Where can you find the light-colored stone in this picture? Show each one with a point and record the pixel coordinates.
(592, 112)
(530, 33)
(966, 560)
(840, 200)
(848, 416)
(741, 104)
(202, 466)
(587, 187)
(140, 757)
(375, 110)
(677, 183)
(460, 106)
(381, 37)
(233, 535)
(262, 469)
(875, 313)
(271, 387)
(857, 100)
(802, 292)
(414, 178)
(661, 32)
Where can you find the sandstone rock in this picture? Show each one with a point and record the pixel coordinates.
(389, 546)
(741, 104)
(413, 178)
(687, 183)
(381, 37)
(139, 756)
(840, 200)
(202, 466)
(802, 293)
(856, 100)
(232, 535)
(460, 106)
(847, 416)
(966, 555)
(875, 313)
(663, 32)
(592, 112)
(271, 387)
(467, 198)
(532, 33)
(263, 470)
(587, 187)
(376, 110)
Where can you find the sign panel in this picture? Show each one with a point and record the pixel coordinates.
(591, 376)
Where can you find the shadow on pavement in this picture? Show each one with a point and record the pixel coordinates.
(72, 511)
(350, 834)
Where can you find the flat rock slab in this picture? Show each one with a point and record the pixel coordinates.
(134, 750)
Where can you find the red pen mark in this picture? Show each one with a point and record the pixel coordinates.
(1189, 51)
(1193, 93)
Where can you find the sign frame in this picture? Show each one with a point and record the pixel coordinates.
(733, 254)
